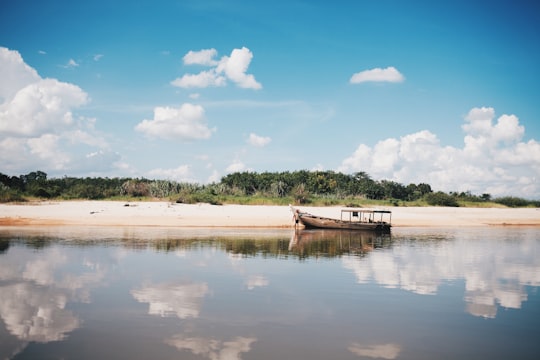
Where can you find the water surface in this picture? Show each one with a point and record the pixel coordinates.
(154, 293)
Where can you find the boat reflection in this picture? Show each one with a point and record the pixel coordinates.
(331, 243)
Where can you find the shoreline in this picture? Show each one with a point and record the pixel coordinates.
(167, 214)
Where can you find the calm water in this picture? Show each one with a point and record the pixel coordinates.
(90, 293)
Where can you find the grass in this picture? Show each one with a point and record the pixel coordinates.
(259, 199)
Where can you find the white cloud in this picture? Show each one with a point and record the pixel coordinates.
(98, 57)
(236, 166)
(46, 148)
(15, 74)
(96, 162)
(214, 177)
(182, 173)
(201, 80)
(493, 159)
(259, 141)
(390, 74)
(71, 64)
(201, 57)
(185, 123)
(318, 167)
(39, 128)
(41, 107)
(233, 68)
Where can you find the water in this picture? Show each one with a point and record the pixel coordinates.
(133, 293)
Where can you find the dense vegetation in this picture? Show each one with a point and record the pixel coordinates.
(300, 187)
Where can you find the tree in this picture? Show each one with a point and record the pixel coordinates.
(394, 190)
(300, 194)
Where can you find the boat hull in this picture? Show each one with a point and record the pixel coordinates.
(316, 222)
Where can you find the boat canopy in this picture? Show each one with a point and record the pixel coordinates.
(365, 215)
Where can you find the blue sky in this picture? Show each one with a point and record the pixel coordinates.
(442, 92)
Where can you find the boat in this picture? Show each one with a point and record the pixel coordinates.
(351, 219)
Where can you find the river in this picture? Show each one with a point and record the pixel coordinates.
(165, 293)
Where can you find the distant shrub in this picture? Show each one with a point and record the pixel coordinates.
(208, 196)
(440, 199)
(9, 195)
(300, 194)
(512, 201)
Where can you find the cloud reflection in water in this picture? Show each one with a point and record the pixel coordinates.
(182, 300)
(36, 313)
(211, 348)
(493, 274)
(383, 351)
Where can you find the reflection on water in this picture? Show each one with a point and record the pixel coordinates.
(332, 243)
(211, 348)
(254, 294)
(181, 300)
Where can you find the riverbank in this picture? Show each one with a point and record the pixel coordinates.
(166, 214)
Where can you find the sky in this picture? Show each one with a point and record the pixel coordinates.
(439, 92)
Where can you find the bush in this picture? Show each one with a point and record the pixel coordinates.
(9, 195)
(202, 196)
(511, 201)
(440, 199)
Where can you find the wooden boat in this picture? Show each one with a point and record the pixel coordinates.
(351, 219)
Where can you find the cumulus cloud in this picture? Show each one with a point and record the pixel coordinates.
(236, 166)
(41, 107)
(214, 177)
(201, 57)
(258, 141)
(185, 123)
(390, 74)
(181, 173)
(493, 159)
(235, 68)
(15, 73)
(201, 80)
(228, 68)
(38, 124)
(46, 147)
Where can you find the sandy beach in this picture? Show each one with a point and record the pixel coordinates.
(166, 214)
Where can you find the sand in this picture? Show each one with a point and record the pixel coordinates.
(166, 214)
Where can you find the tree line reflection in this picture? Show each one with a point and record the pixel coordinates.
(301, 244)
